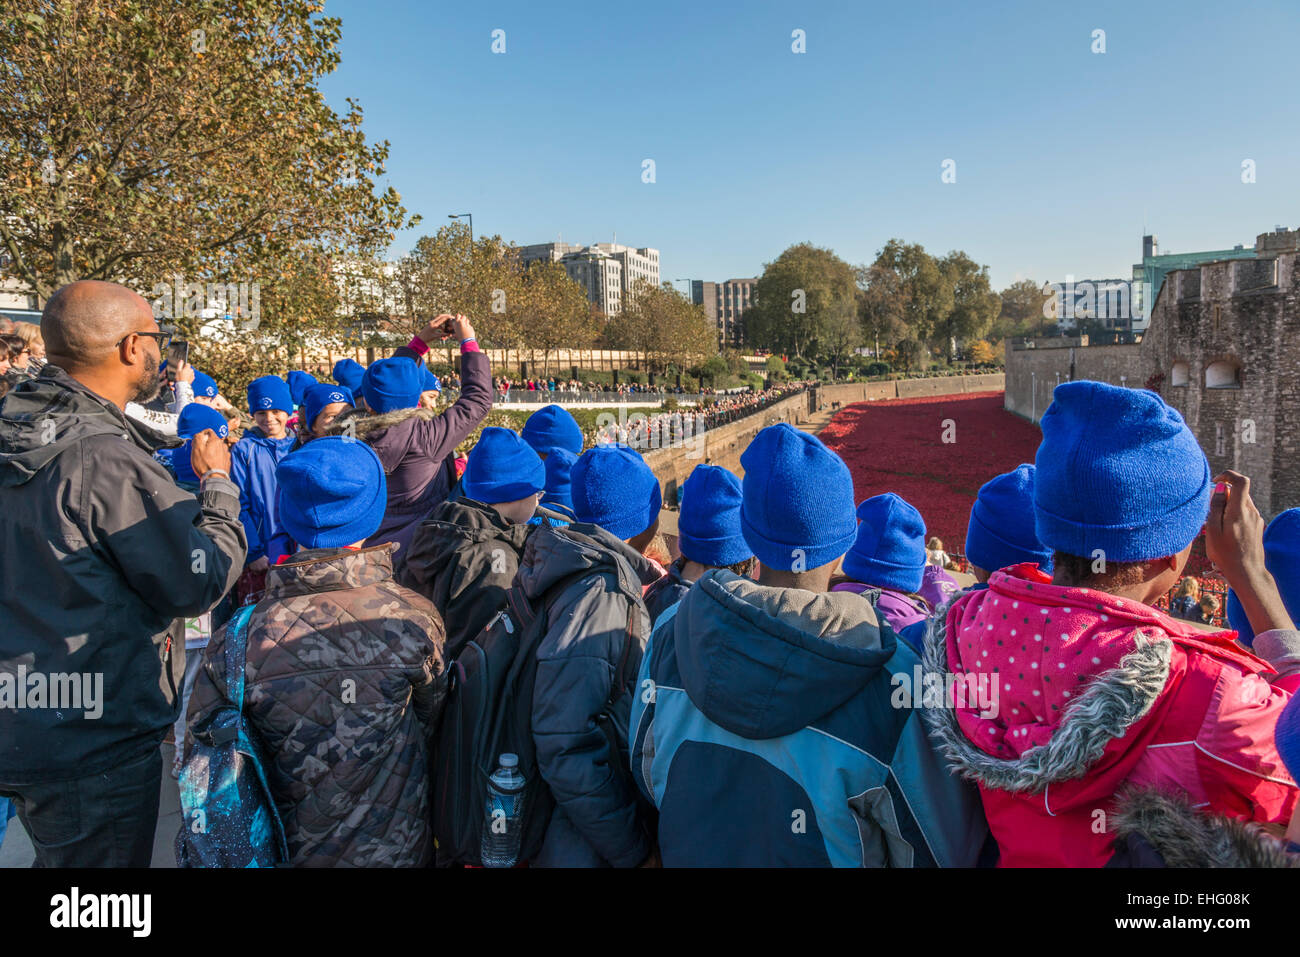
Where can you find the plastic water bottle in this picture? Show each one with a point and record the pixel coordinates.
(503, 815)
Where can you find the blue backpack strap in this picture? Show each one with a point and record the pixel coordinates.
(236, 656)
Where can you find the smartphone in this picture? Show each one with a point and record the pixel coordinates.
(177, 352)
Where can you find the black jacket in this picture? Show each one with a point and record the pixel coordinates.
(463, 558)
(666, 592)
(99, 552)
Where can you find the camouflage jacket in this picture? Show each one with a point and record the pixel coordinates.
(345, 683)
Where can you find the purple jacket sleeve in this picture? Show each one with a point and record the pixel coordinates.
(439, 436)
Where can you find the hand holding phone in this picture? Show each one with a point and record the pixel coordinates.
(436, 328)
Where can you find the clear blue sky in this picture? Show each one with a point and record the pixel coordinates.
(1062, 155)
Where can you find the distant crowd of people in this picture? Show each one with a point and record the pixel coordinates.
(372, 651)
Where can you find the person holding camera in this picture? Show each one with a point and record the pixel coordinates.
(100, 552)
(417, 446)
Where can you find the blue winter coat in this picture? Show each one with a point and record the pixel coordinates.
(766, 731)
(253, 461)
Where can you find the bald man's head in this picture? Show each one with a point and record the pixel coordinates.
(84, 320)
(87, 326)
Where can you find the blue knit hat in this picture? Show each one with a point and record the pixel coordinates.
(615, 489)
(392, 383)
(196, 417)
(204, 386)
(559, 480)
(708, 528)
(501, 468)
(1282, 559)
(1118, 471)
(1001, 529)
(349, 372)
(332, 492)
(552, 427)
(1286, 737)
(889, 548)
(269, 392)
(428, 381)
(320, 395)
(299, 383)
(797, 507)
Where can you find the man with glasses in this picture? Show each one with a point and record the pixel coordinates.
(99, 552)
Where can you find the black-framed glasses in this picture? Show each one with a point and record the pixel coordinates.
(164, 339)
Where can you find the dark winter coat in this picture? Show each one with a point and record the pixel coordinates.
(345, 683)
(463, 558)
(99, 553)
(666, 592)
(575, 573)
(416, 448)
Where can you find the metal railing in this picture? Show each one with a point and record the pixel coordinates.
(600, 397)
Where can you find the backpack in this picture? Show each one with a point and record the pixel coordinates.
(228, 817)
(489, 713)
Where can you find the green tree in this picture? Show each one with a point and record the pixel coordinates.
(795, 297)
(1022, 310)
(924, 296)
(974, 303)
(664, 327)
(145, 138)
(841, 334)
(908, 352)
(880, 304)
(450, 272)
(551, 312)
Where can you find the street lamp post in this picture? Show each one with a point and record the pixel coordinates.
(470, 217)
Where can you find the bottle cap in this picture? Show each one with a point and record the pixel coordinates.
(509, 760)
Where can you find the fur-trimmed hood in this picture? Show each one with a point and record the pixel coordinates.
(1109, 673)
(1155, 829)
(369, 426)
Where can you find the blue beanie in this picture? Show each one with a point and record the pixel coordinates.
(392, 383)
(349, 372)
(196, 417)
(501, 468)
(1001, 529)
(299, 383)
(1282, 559)
(269, 392)
(1118, 471)
(332, 492)
(889, 549)
(708, 528)
(1286, 737)
(320, 395)
(615, 489)
(428, 381)
(797, 506)
(559, 480)
(552, 427)
(204, 385)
